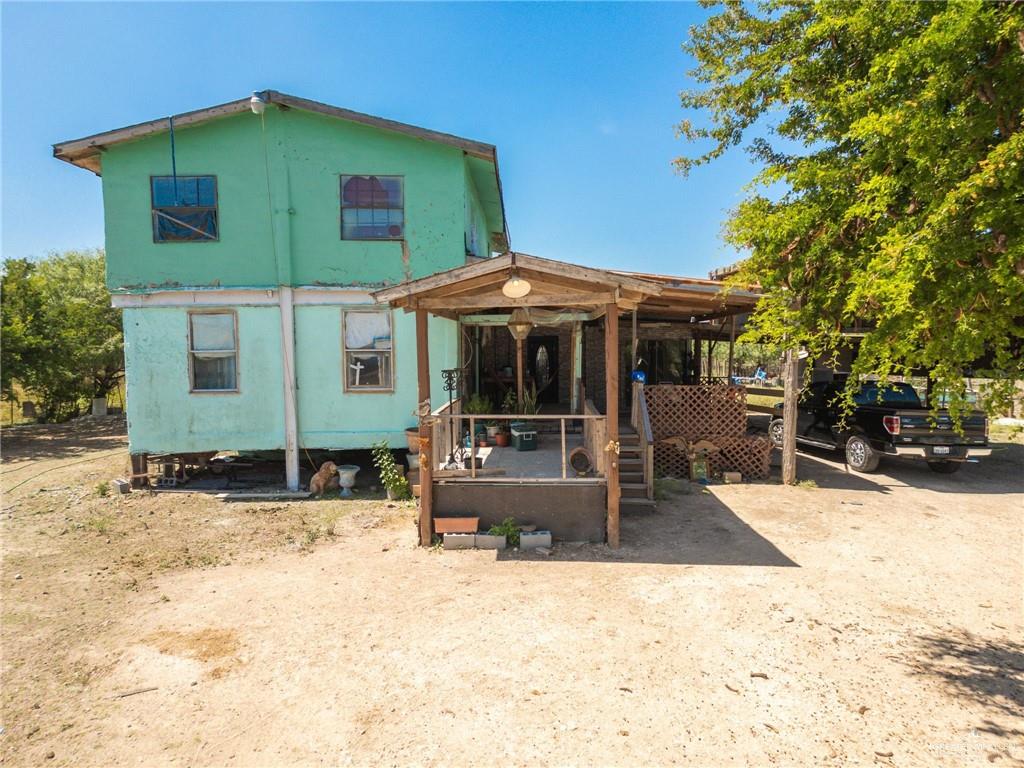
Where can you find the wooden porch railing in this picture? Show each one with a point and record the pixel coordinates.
(595, 436)
(641, 421)
(590, 421)
(444, 428)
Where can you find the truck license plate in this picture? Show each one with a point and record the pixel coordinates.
(940, 450)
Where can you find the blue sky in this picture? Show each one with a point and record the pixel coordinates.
(581, 100)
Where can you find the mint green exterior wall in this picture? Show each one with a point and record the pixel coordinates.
(163, 416)
(301, 157)
(331, 418)
(289, 237)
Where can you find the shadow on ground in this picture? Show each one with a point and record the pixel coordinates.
(990, 672)
(689, 529)
(34, 442)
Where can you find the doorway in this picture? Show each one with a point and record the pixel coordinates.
(542, 366)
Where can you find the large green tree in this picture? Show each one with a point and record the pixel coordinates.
(62, 341)
(891, 189)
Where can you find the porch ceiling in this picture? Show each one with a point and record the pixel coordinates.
(557, 285)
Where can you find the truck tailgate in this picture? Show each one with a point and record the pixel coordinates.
(918, 427)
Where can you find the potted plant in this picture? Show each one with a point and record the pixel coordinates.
(501, 439)
(391, 475)
(493, 428)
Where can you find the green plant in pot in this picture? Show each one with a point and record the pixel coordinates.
(391, 475)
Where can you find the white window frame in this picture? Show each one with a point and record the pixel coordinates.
(345, 353)
(192, 352)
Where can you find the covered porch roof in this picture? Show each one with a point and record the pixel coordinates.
(476, 289)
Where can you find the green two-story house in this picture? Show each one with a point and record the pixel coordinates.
(243, 241)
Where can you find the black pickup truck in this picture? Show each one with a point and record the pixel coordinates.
(889, 421)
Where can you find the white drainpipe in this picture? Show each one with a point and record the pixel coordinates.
(291, 441)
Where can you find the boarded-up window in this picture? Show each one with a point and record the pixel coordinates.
(184, 208)
(367, 358)
(213, 351)
(372, 208)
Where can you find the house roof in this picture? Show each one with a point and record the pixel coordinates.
(476, 288)
(85, 152)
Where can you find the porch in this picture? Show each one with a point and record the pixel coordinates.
(544, 343)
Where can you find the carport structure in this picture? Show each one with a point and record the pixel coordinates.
(520, 291)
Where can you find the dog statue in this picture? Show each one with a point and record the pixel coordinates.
(321, 481)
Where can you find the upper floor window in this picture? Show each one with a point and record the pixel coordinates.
(372, 208)
(213, 351)
(184, 208)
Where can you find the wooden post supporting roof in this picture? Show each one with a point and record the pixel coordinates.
(611, 388)
(732, 345)
(519, 372)
(789, 409)
(426, 449)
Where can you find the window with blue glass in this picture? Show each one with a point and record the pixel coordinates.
(372, 208)
(184, 209)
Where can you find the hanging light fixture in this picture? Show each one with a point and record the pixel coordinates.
(516, 287)
(519, 324)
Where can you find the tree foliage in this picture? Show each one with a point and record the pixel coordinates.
(891, 189)
(62, 340)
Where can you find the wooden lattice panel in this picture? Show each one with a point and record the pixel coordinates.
(747, 455)
(715, 412)
(694, 410)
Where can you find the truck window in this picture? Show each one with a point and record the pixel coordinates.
(895, 394)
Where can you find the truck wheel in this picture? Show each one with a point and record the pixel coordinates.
(944, 467)
(775, 432)
(860, 456)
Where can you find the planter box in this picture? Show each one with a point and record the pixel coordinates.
(534, 539)
(412, 439)
(487, 541)
(459, 541)
(456, 525)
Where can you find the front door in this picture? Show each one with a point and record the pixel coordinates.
(542, 365)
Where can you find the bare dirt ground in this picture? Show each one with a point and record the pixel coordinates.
(871, 620)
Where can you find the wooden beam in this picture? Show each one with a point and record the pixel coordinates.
(519, 372)
(488, 300)
(611, 387)
(732, 345)
(634, 340)
(789, 411)
(426, 449)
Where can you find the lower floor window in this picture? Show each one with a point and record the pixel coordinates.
(213, 351)
(367, 350)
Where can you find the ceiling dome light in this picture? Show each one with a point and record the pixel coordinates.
(516, 287)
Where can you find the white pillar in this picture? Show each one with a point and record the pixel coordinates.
(291, 440)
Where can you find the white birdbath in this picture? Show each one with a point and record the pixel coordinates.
(347, 478)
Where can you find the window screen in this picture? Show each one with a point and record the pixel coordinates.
(372, 208)
(184, 208)
(368, 352)
(213, 350)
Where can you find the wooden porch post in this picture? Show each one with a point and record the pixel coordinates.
(732, 344)
(789, 408)
(611, 388)
(519, 372)
(426, 449)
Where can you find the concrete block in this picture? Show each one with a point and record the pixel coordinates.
(487, 541)
(534, 539)
(459, 540)
(122, 486)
